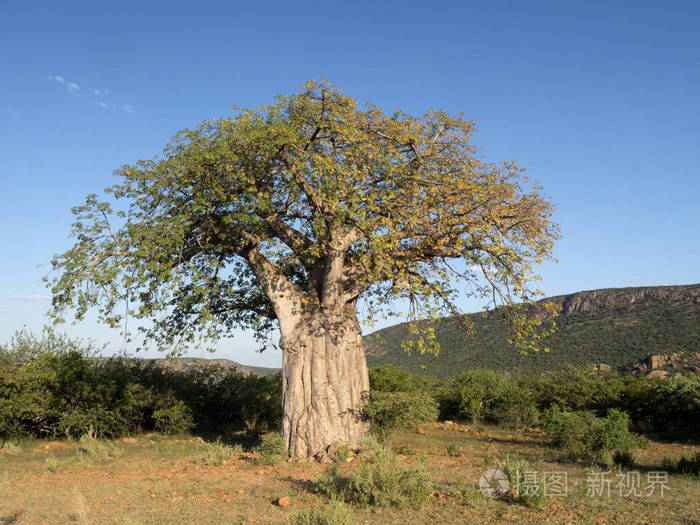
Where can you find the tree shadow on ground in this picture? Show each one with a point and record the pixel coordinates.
(305, 485)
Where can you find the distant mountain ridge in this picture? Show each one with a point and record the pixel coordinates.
(617, 327)
(186, 363)
(617, 297)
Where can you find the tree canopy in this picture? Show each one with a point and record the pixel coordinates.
(312, 202)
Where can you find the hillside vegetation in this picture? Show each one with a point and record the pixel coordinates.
(616, 327)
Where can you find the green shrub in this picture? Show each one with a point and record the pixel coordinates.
(53, 385)
(487, 395)
(583, 435)
(529, 489)
(576, 389)
(518, 411)
(342, 454)
(668, 406)
(387, 378)
(174, 418)
(271, 449)
(335, 513)
(381, 479)
(667, 464)
(623, 459)
(389, 410)
(97, 420)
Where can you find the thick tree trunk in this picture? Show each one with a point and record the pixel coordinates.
(325, 384)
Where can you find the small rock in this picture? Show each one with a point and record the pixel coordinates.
(284, 501)
(420, 431)
(129, 440)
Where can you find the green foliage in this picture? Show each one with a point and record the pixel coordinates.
(583, 435)
(49, 389)
(577, 389)
(381, 479)
(389, 410)
(529, 492)
(173, 418)
(623, 459)
(388, 378)
(342, 454)
(271, 449)
(452, 450)
(665, 405)
(193, 239)
(488, 395)
(334, 513)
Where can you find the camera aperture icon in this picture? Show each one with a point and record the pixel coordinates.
(494, 483)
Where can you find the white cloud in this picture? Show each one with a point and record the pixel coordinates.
(35, 297)
(58, 79)
(101, 92)
(102, 104)
(72, 86)
(128, 108)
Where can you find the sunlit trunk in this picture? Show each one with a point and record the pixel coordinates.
(325, 385)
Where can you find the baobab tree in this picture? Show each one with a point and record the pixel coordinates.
(290, 216)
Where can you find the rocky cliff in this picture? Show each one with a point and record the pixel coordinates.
(620, 297)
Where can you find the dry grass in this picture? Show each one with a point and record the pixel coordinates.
(158, 480)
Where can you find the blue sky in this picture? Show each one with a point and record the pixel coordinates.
(599, 101)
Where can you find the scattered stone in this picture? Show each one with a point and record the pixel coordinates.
(284, 501)
(129, 440)
(420, 431)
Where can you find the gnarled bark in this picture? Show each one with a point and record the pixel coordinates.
(325, 384)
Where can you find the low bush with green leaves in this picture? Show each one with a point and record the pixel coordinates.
(623, 459)
(173, 418)
(379, 479)
(53, 385)
(334, 513)
(583, 435)
(526, 484)
(485, 395)
(391, 410)
(271, 449)
(387, 378)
